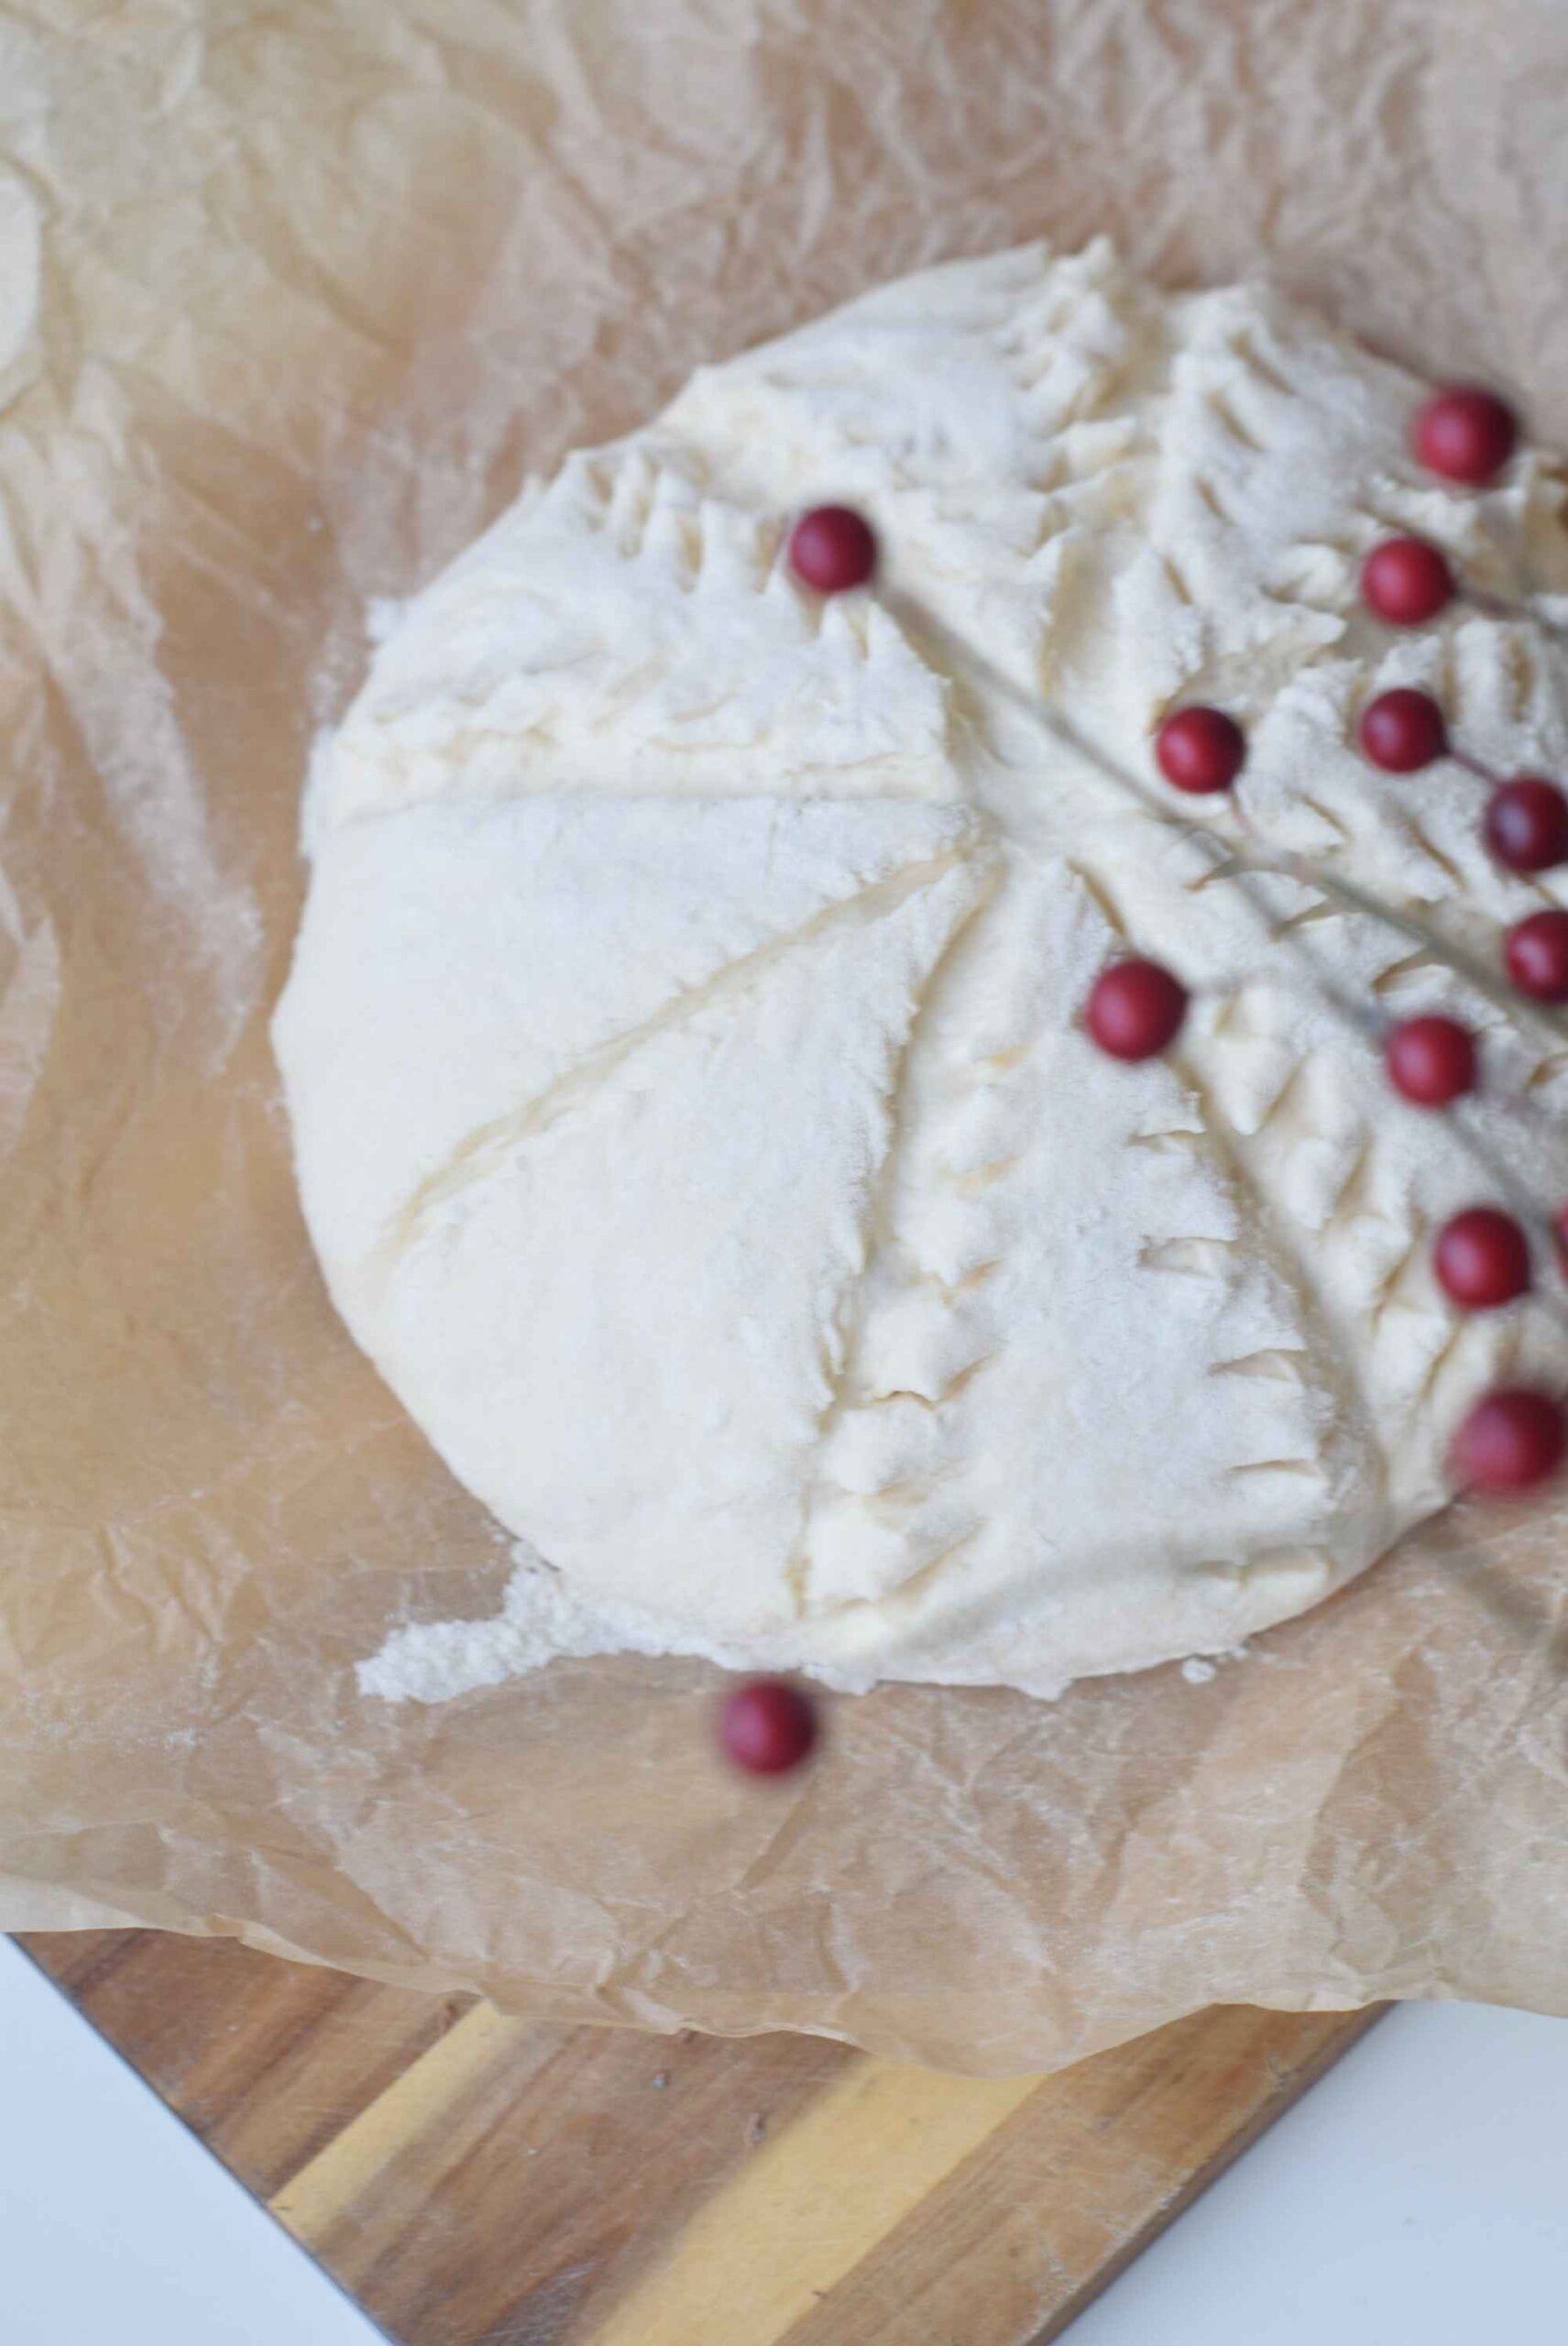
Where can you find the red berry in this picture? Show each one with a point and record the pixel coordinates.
(832, 550)
(767, 1726)
(1135, 1009)
(1482, 1258)
(1430, 1060)
(1403, 730)
(1535, 955)
(1405, 581)
(1199, 749)
(1512, 1439)
(1527, 824)
(1465, 432)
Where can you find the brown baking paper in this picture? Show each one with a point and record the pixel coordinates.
(288, 302)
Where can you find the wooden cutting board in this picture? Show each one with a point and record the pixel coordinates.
(478, 2181)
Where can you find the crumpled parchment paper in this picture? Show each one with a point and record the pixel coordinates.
(289, 299)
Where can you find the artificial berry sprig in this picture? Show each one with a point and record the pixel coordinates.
(1526, 821)
(1515, 1436)
(1465, 433)
(1136, 1007)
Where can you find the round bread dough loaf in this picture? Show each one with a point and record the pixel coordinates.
(692, 1114)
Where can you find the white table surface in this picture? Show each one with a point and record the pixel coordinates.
(1419, 2194)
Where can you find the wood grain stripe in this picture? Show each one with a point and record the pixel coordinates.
(812, 2204)
(410, 2111)
(1083, 2174)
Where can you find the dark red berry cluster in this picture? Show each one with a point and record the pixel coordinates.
(1482, 1257)
(1525, 827)
(1136, 1009)
(1465, 433)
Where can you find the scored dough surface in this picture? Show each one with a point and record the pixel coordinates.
(691, 1110)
